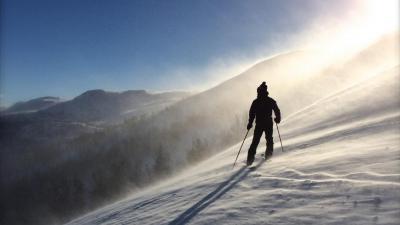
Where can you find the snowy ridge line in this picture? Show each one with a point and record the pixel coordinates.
(385, 119)
(340, 92)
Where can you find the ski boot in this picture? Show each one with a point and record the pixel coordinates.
(250, 160)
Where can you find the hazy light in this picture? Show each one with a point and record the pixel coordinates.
(371, 20)
(382, 16)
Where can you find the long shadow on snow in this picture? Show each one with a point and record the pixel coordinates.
(224, 187)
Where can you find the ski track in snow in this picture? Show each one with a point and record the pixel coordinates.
(345, 174)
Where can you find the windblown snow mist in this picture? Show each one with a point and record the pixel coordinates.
(63, 178)
(337, 168)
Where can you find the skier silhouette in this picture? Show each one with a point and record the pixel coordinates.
(261, 109)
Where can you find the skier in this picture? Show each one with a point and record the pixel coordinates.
(261, 109)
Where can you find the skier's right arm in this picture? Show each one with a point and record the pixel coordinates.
(252, 115)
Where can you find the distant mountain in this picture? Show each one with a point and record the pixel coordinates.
(90, 111)
(33, 105)
(100, 105)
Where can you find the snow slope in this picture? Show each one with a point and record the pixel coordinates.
(340, 166)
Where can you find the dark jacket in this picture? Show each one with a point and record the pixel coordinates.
(261, 109)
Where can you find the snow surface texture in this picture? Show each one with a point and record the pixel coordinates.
(340, 166)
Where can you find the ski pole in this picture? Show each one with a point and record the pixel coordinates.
(240, 148)
(279, 136)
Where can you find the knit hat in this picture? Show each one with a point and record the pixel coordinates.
(262, 89)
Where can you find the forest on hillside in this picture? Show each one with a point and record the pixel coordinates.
(96, 168)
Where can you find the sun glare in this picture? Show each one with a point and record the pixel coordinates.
(382, 16)
(371, 19)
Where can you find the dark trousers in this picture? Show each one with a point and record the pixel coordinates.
(258, 131)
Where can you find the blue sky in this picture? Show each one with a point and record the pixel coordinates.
(63, 48)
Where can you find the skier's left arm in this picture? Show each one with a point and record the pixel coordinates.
(277, 112)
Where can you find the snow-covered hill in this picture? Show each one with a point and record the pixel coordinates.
(340, 166)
